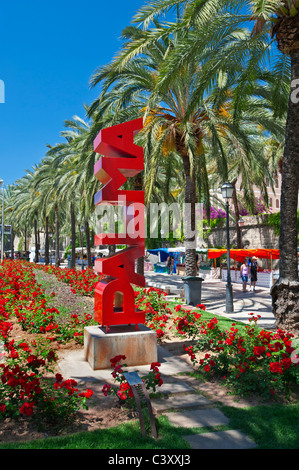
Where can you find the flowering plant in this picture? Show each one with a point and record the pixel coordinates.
(24, 391)
(157, 312)
(23, 365)
(187, 321)
(81, 282)
(124, 391)
(215, 213)
(26, 299)
(254, 360)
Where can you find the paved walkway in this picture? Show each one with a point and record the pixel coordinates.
(213, 297)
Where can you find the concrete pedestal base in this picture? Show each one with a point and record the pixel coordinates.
(139, 346)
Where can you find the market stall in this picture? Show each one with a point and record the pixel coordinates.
(158, 264)
(178, 255)
(266, 277)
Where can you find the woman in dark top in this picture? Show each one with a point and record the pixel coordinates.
(253, 273)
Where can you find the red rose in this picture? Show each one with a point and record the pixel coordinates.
(88, 393)
(27, 409)
(2, 408)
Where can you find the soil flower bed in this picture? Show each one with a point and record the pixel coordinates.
(81, 282)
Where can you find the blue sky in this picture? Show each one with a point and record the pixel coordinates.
(48, 52)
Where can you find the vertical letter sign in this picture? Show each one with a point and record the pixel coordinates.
(121, 158)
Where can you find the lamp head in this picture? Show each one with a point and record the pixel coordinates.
(227, 190)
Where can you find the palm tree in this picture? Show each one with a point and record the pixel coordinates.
(46, 181)
(285, 30)
(76, 159)
(167, 128)
(8, 217)
(25, 205)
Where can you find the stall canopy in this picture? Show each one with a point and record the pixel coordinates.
(181, 249)
(235, 254)
(164, 252)
(240, 254)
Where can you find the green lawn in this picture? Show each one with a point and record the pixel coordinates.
(224, 323)
(270, 426)
(125, 436)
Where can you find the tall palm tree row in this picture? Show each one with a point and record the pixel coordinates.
(47, 198)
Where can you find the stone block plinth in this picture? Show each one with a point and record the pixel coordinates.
(139, 346)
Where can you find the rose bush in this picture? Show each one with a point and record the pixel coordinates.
(25, 391)
(28, 302)
(251, 360)
(23, 365)
(157, 311)
(123, 391)
(82, 282)
(248, 359)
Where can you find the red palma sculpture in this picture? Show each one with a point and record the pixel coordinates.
(121, 159)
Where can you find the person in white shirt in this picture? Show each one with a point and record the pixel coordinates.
(244, 273)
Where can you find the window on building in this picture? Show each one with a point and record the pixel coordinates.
(270, 202)
(277, 203)
(276, 182)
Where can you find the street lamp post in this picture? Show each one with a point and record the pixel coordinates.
(227, 193)
(2, 226)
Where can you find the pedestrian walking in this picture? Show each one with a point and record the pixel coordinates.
(168, 264)
(244, 273)
(253, 273)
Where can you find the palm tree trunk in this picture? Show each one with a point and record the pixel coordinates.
(285, 293)
(73, 229)
(87, 236)
(35, 241)
(12, 242)
(25, 239)
(111, 249)
(47, 242)
(57, 259)
(80, 236)
(190, 236)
